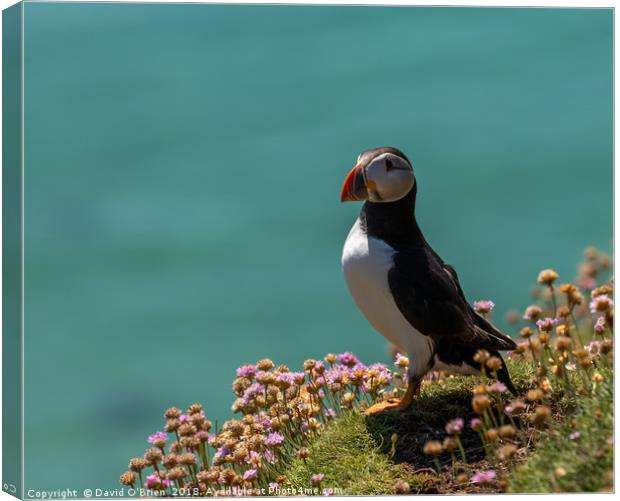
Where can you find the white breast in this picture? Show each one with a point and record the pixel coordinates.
(366, 262)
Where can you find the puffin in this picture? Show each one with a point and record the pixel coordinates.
(401, 285)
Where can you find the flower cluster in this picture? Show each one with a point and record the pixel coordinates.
(567, 341)
(281, 412)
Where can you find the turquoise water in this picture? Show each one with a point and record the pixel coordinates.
(183, 168)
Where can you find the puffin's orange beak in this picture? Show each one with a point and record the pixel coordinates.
(354, 186)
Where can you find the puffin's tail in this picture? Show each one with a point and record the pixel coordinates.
(503, 375)
(495, 339)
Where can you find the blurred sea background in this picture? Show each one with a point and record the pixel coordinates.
(183, 166)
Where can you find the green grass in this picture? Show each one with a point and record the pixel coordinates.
(437, 404)
(357, 454)
(586, 461)
(352, 462)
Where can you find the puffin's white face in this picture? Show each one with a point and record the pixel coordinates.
(386, 177)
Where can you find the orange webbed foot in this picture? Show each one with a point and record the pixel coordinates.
(386, 405)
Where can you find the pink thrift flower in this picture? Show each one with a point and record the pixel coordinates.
(250, 474)
(484, 477)
(222, 452)
(475, 424)
(347, 358)
(269, 456)
(593, 347)
(599, 326)
(152, 481)
(359, 366)
(251, 392)
(247, 371)
(285, 377)
(155, 482)
(317, 479)
(254, 458)
(298, 378)
(455, 426)
(274, 439)
(546, 324)
(574, 435)
(497, 387)
(483, 307)
(203, 435)
(183, 418)
(601, 303)
(320, 381)
(265, 421)
(158, 435)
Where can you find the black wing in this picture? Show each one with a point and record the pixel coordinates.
(429, 296)
(506, 342)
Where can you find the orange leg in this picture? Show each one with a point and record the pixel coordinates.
(397, 403)
(412, 390)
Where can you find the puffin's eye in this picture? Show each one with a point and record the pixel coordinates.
(388, 164)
